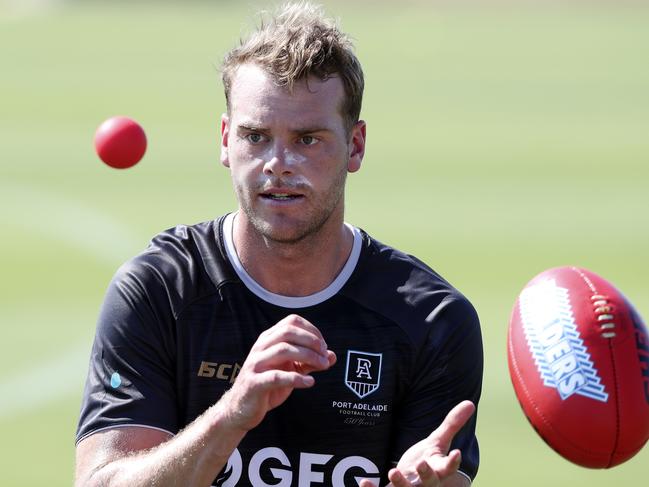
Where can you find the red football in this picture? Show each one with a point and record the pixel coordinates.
(578, 357)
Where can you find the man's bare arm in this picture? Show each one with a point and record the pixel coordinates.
(281, 360)
(138, 456)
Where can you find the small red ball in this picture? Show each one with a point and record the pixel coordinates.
(120, 142)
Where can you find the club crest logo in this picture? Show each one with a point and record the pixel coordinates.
(363, 372)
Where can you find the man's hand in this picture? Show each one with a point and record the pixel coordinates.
(282, 359)
(428, 463)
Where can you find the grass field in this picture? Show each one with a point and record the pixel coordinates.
(501, 142)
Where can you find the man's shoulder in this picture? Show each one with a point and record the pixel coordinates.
(182, 243)
(180, 264)
(406, 290)
(408, 273)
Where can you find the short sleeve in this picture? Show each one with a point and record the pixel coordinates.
(131, 376)
(448, 370)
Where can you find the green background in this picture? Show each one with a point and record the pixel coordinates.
(501, 141)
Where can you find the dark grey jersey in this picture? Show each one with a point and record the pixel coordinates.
(179, 320)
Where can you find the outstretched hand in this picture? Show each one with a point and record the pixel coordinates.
(428, 463)
(281, 360)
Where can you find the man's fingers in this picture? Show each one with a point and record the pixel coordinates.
(445, 466)
(455, 419)
(280, 354)
(291, 334)
(427, 474)
(397, 479)
(298, 323)
(275, 379)
(292, 344)
(305, 369)
(293, 329)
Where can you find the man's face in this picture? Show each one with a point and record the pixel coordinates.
(288, 153)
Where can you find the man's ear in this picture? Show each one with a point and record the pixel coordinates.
(225, 134)
(357, 146)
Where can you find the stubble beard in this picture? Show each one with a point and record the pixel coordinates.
(295, 231)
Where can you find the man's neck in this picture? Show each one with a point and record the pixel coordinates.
(297, 268)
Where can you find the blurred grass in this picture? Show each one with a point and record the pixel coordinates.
(501, 142)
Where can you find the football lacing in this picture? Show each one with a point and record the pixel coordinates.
(604, 313)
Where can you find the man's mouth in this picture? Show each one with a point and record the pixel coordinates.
(281, 196)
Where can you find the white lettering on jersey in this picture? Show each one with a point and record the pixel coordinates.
(306, 473)
(284, 476)
(338, 477)
(233, 470)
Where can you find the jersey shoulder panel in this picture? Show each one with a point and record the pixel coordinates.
(404, 289)
(180, 265)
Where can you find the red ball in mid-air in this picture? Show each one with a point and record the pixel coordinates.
(579, 361)
(120, 142)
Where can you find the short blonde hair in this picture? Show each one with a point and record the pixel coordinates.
(296, 43)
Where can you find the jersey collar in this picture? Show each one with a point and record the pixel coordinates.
(291, 301)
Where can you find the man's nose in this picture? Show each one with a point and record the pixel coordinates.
(279, 161)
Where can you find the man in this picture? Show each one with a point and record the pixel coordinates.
(279, 345)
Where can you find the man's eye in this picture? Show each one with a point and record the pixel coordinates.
(308, 140)
(255, 138)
